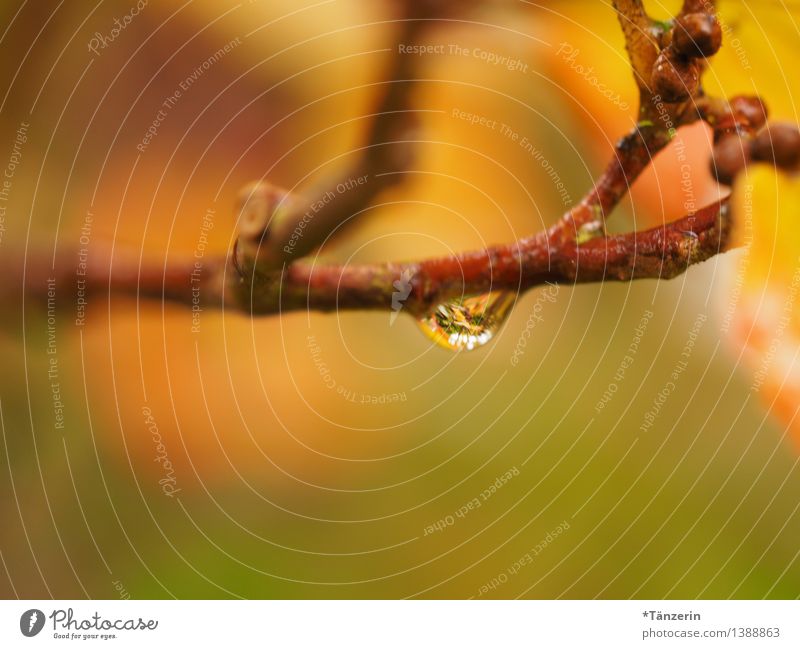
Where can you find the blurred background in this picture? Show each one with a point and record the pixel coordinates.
(613, 440)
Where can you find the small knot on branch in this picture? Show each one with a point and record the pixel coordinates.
(690, 41)
(777, 144)
(676, 77)
(264, 212)
(697, 35)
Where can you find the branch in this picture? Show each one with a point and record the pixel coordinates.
(662, 252)
(257, 279)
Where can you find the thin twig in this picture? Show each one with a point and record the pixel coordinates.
(640, 41)
(282, 228)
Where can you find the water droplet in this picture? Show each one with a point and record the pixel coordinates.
(468, 323)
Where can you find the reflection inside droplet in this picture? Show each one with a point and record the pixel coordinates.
(468, 323)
